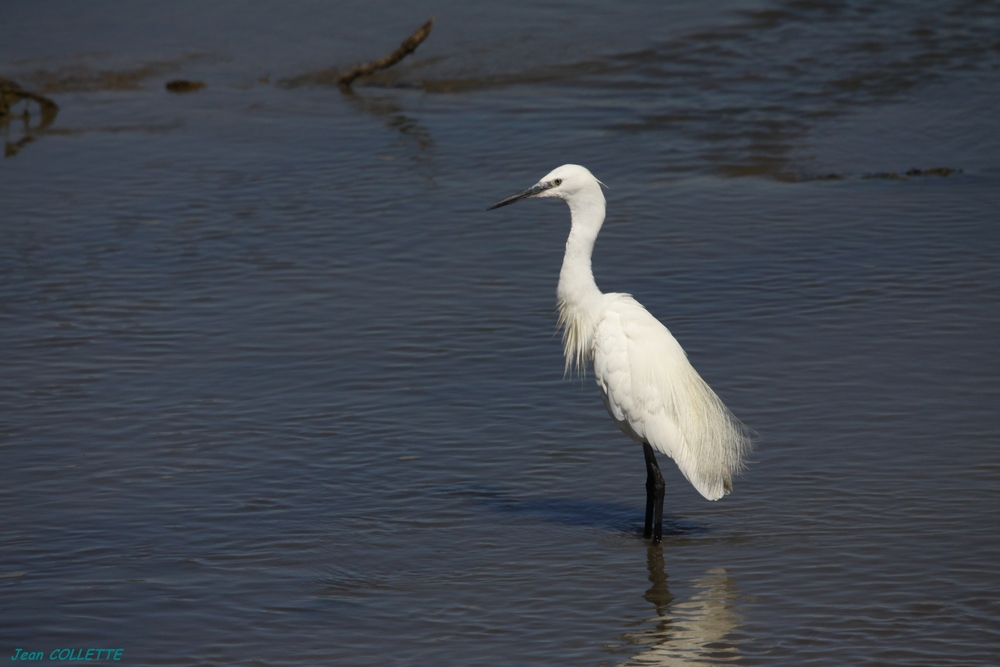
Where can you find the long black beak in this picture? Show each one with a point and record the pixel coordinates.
(530, 192)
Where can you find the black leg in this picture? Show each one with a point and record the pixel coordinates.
(647, 531)
(654, 496)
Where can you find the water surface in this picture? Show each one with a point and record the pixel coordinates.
(276, 389)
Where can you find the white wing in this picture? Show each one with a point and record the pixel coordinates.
(656, 396)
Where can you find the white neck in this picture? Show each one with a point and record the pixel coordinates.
(579, 297)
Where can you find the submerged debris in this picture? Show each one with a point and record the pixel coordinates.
(184, 86)
(894, 176)
(938, 171)
(81, 76)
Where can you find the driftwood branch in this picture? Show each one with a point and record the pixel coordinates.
(11, 94)
(408, 46)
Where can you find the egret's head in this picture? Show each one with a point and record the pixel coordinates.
(563, 182)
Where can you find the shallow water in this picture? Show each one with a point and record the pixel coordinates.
(276, 389)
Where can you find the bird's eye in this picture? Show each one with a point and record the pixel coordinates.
(558, 181)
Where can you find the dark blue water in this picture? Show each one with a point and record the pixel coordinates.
(275, 389)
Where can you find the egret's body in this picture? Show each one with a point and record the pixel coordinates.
(648, 385)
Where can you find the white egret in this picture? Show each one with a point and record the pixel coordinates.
(648, 385)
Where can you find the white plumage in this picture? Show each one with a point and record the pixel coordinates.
(648, 385)
(656, 396)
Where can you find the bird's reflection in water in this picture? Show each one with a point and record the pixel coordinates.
(686, 632)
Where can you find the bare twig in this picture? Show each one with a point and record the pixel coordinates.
(406, 48)
(11, 94)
